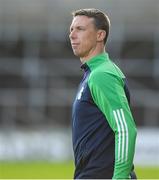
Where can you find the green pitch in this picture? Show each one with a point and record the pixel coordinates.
(36, 170)
(48, 170)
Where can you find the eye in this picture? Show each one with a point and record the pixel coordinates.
(81, 28)
(71, 29)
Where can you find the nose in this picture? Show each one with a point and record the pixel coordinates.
(72, 35)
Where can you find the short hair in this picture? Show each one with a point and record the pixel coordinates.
(101, 20)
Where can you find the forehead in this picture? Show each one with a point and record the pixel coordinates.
(82, 21)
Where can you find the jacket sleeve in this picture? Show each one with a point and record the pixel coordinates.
(108, 93)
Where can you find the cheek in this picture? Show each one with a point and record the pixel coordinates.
(89, 39)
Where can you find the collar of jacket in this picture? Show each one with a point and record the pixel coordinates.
(95, 61)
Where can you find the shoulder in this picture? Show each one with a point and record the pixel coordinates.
(105, 81)
(106, 72)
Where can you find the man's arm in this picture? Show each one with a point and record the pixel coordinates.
(108, 93)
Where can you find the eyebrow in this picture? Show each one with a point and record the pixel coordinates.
(77, 27)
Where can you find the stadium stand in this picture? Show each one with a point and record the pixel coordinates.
(39, 74)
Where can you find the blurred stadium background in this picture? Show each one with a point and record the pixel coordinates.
(39, 76)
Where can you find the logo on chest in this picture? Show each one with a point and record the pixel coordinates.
(79, 95)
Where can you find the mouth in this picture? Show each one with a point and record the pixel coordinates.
(74, 44)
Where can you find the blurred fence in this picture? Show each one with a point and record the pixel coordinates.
(52, 145)
(55, 145)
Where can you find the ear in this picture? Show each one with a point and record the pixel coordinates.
(101, 35)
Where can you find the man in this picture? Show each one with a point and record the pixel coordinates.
(103, 128)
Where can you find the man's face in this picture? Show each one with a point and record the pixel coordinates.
(83, 36)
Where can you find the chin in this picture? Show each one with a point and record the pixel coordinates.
(76, 54)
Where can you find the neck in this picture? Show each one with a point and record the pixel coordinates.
(92, 54)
